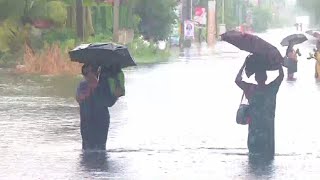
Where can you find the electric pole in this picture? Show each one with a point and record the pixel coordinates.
(222, 9)
(222, 26)
(116, 4)
(211, 35)
(189, 10)
(186, 14)
(80, 19)
(240, 11)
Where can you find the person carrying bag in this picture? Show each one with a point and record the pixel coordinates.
(243, 117)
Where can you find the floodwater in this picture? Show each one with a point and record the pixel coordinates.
(177, 121)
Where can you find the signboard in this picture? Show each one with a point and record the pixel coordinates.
(188, 30)
(200, 16)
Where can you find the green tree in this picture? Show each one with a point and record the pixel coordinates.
(157, 17)
(231, 12)
(262, 17)
(311, 6)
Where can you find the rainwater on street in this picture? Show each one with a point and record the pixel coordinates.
(177, 121)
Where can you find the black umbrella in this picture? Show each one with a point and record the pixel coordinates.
(310, 32)
(314, 33)
(294, 39)
(255, 45)
(102, 54)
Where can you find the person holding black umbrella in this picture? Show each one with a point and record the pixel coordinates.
(102, 86)
(262, 105)
(260, 112)
(292, 61)
(94, 97)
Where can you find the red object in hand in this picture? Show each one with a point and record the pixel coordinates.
(42, 24)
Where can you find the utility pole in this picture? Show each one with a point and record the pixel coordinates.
(211, 35)
(189, 9)
(186, 14)
(222, 9)
(222, 26)
(80, 19)
(116, 4)
(181, 32)
(240, 12)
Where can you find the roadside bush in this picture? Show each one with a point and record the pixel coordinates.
(261, 19)
(146, 52)
(65, 37)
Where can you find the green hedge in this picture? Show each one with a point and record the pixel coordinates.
(261, 19)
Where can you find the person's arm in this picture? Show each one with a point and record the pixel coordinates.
(279, 79)
(295, 56)
(82, 92)
(298, 52)
(312, 56)
(317, 56)
(80, 98)
(289, 49)
(243, 85)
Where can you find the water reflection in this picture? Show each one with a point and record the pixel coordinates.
(94, 161)
(97, 164)
(260, 167)
(176, 121)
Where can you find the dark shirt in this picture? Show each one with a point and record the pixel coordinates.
(262, 100)
(95, 107)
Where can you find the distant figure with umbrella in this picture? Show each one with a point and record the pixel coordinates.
(316, 56)
(103, 84)
(291, 58)
(261, 96)
(291, 62)
(297, 26)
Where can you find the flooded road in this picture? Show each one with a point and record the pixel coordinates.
(177, 121)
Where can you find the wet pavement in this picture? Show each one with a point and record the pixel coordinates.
(177, 121)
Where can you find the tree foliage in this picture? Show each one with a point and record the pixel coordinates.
(261, 18)
(311, 6)
(11, 8)
(157, 17)
(231, 12)
(57, 12)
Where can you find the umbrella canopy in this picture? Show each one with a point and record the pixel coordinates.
(294, 39)
(255, 45)
(314, 33)
(255, 63)
(310, 32)
(102, 54)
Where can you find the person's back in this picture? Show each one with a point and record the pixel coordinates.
(263, 100)
(262, 104)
